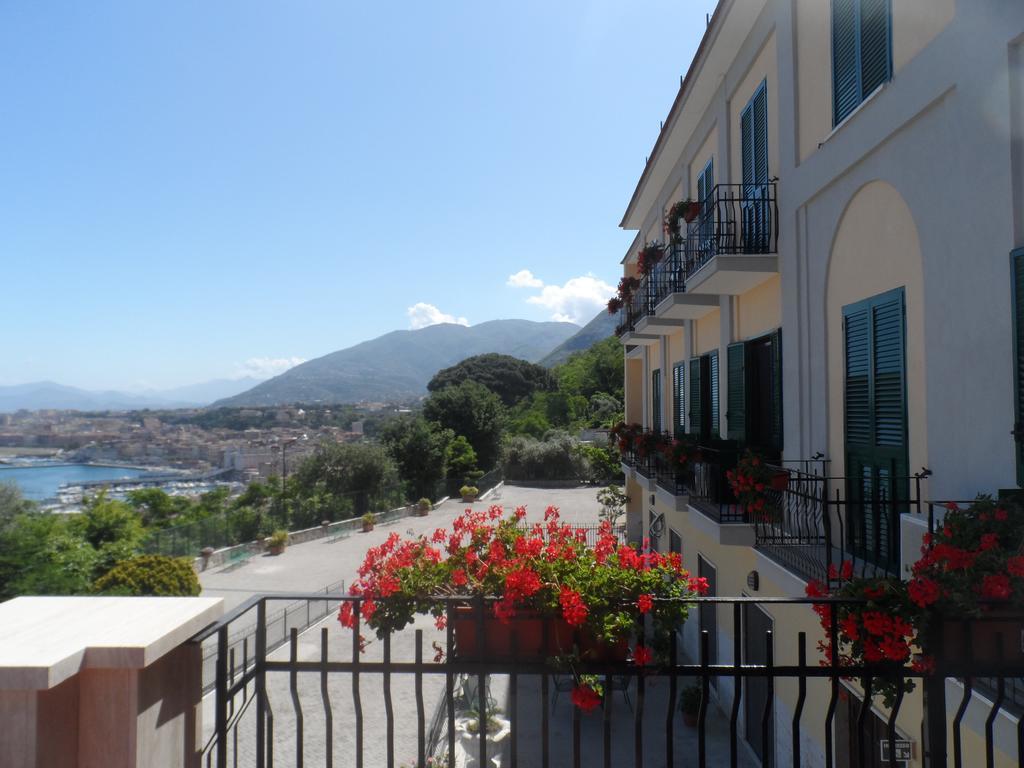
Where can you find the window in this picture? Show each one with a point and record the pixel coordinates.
(656, 401)
(705, 186)
(704, 395)
(877, 465)
(678, 391)
(754, 148)
(861, 52)
(1017, 268)
(754, 392)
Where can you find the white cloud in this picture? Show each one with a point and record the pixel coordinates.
(265, 367)
(524, 279)
(575, 302)
(421, 315)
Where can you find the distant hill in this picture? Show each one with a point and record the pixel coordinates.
(601, 327)
(398, 365)
(48, 395)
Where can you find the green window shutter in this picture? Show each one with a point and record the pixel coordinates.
(776, 389)
(875, 51)
(888, 408)
(759, 128)
(678, 390)
(845, 77)
(695, 399)
(736, 400)
(1017, 266)
(713, 375)
(856, 329)
(747, 144)
(656, 400)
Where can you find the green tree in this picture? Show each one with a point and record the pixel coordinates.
(462, 459)
(599, 368)
(156, 507)
(107, 521)
(420, 451)
(360, 470)
(473, 411)
(156, 575)
(508, 377)
(40, 555)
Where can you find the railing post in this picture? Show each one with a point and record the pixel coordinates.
(221, 700)
(261, 682)
(935, 708)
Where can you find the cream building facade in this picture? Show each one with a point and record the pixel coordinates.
(844, 301)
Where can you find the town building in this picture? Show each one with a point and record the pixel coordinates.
(848, 301)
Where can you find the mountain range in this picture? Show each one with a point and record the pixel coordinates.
(40, 395)
(398, 365)
(390, 368)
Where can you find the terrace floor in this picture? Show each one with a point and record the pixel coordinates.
(312, 565)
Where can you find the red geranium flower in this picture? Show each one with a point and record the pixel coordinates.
(586, 698)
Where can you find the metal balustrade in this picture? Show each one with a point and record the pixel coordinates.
(412, 697)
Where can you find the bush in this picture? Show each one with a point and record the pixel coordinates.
(150, 575)
(557, 457)
(278, 538)
(468, 490)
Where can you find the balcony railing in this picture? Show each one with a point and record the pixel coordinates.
(410, 698)
(735, 219)
(813, 526)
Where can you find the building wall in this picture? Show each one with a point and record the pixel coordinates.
(758, 311)
(764, 68)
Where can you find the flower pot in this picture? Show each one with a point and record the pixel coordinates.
(497, 636)
(780, 481)
(367, 527)
(564, 637)
(690, 719)
(691, 212)
(421, 511)
(982, 634)
(276, 549)
(468, 499)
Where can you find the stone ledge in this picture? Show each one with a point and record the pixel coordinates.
(46, 640)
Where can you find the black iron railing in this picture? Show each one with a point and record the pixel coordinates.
(668, 276)
(734, 219)
(706, 479)
(412, 698)
(814, 524)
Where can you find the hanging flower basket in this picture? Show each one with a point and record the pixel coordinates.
(780, 481)
(691, 211)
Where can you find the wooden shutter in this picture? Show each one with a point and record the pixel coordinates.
(736, 399)
(713, 376)
(875, 51)
(747, 144)
(656, 400)
(695, 399)
(678, 390)
(856, 328)
(845, 80)
(888, 386)
(1017, 267)
(776, 390)
(759, 128)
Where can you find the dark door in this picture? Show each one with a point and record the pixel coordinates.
(757, 624)
(707, 615)
(877, 465)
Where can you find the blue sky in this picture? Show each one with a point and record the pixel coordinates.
(192, 190)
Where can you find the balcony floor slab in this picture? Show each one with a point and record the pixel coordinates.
(732, 275)
(686, 306)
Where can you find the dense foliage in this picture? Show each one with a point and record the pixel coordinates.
(472, 410)
(508, 377)
(151, 575)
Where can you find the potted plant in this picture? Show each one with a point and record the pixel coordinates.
(648, 257)
(368, 520)
(534, 583)
(206, 553)
(469, 493)
(277, 541)
(423, 506)
(688, 210)
(751, 480)
(967, 587)
(689, 704)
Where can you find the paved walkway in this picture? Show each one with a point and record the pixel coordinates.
(310, 566)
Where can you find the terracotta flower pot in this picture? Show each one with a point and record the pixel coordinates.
(276, 549)
(982, 634)
(691, 212)
(780, 481)
(497, 636)
(468, 499)
(690, 719)
(367, 527)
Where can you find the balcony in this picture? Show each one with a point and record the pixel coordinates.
(411, 698)
(731, 247)
(812, 526)
(629, 327)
